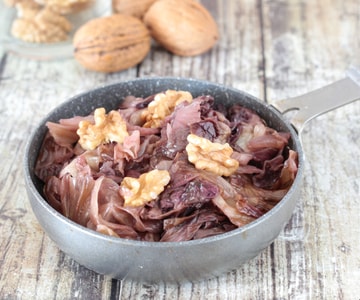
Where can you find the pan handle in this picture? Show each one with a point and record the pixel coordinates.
(318, 102)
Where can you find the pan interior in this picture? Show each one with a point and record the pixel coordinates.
(110, 96)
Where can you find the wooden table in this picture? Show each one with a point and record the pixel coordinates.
(271, 49)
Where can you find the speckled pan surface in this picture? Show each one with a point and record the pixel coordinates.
(151, 261)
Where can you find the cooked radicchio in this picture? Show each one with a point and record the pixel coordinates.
(85, 185)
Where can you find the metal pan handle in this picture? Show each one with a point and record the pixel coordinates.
(318, 102)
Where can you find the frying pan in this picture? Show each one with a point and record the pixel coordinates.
(190, 260)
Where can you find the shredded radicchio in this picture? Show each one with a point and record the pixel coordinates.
(84, 185)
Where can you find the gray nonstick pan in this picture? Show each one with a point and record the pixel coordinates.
(190, 260)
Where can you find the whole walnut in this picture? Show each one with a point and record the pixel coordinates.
(185, 27)
(136, 8)
(111, 44)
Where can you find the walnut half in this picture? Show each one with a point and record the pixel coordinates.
(39, 25)
(162, 106)
(138, 191)
(11, 2)
(66, 6)
(213, 157)
(107, 128)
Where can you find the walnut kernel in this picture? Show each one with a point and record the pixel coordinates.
(39, 25)
(107, 128)
(138, 191)
(66, 6)
(162, 106)
(11, 2)
(213, 157)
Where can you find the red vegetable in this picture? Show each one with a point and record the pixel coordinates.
(84, 185)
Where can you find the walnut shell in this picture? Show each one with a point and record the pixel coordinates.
(184, 27)
(136, 8)
(111, 44)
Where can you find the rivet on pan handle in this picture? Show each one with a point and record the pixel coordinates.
(318, 102)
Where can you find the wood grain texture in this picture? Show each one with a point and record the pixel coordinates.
(271, 49)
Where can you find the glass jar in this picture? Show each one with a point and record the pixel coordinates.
(46, 46)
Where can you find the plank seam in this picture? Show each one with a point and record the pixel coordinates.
(2, 66)
(262, 42)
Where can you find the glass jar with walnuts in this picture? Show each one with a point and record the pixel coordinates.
(43, 29)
